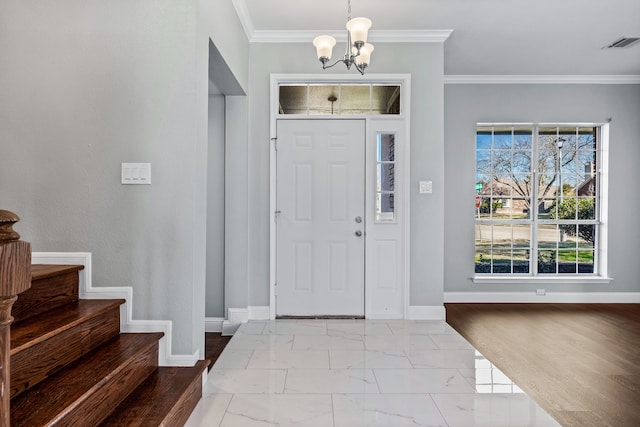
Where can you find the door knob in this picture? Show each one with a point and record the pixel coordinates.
(358, 233)
(358, 219)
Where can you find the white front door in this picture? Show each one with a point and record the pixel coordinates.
(320, 223)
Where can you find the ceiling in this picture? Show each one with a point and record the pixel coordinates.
(490, 37)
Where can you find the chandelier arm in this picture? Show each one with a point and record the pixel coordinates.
(360, 68)
(324, 66)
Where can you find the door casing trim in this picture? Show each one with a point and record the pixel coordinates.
(404, 80)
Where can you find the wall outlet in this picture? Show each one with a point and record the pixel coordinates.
(541, 292)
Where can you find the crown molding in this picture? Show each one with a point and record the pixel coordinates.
(542, 79)
(306, 36)
(243, 15)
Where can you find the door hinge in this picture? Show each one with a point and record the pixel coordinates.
(275, 215)
(275, 289)
(275, 143)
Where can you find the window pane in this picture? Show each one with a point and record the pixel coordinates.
(385, 209)
(548, 236)
(523, 138)
(320, 100)
(485, 207)
(586, 262)
(483, 139)
(547, 263)
(502, 236)
(567, 261)
(502, 140)
(501, 261)
(293, 99)
(586, 236)
(386, 147)
(520, 208)
(567, 235)
(521, 261)
(522, 161)
(355, 99)
(483, 254)
(385, 99)
(386, 176)
(522, 236)
(546, 208)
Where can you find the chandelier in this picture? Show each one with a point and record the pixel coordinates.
(358, 52)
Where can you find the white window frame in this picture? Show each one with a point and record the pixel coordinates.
(600, 274)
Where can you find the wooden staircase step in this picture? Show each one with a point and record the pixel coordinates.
(51, 286)
(85, 392)
(42, 345)
(166, 398)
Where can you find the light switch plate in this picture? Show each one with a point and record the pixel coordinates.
(426, 187)
(136, 173)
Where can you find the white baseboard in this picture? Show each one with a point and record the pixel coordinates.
(259, 312)
(213, 324)
(549, 297)
(127, 324)
(238, 316)
(426, 312)
(235, 317)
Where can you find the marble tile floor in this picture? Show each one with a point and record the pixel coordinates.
(353, 373)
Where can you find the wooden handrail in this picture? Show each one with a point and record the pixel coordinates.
(15, 277)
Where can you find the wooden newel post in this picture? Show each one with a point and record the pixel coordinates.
(15, 277)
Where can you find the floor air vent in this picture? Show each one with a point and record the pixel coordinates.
(623, 42)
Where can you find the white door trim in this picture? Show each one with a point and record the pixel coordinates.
(404, 80)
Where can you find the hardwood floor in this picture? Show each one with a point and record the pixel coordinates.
(580, 362)
(214, 343)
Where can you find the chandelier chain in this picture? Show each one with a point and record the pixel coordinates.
(348, 10)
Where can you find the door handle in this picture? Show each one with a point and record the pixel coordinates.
(358, 233)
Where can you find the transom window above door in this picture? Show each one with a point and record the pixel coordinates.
(338, 99)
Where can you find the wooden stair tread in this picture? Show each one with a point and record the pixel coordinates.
(42, 271)
(36, 329)
(79, 382)
(167, 397)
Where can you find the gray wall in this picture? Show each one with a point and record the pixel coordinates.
(236, 204)
(86, 85)
(466, 105)
(425, 64)
(214, 306)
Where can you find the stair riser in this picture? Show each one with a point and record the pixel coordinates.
(46, 294)
(35, 363)
(185, 406)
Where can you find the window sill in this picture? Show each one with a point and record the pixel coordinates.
(552, 279)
